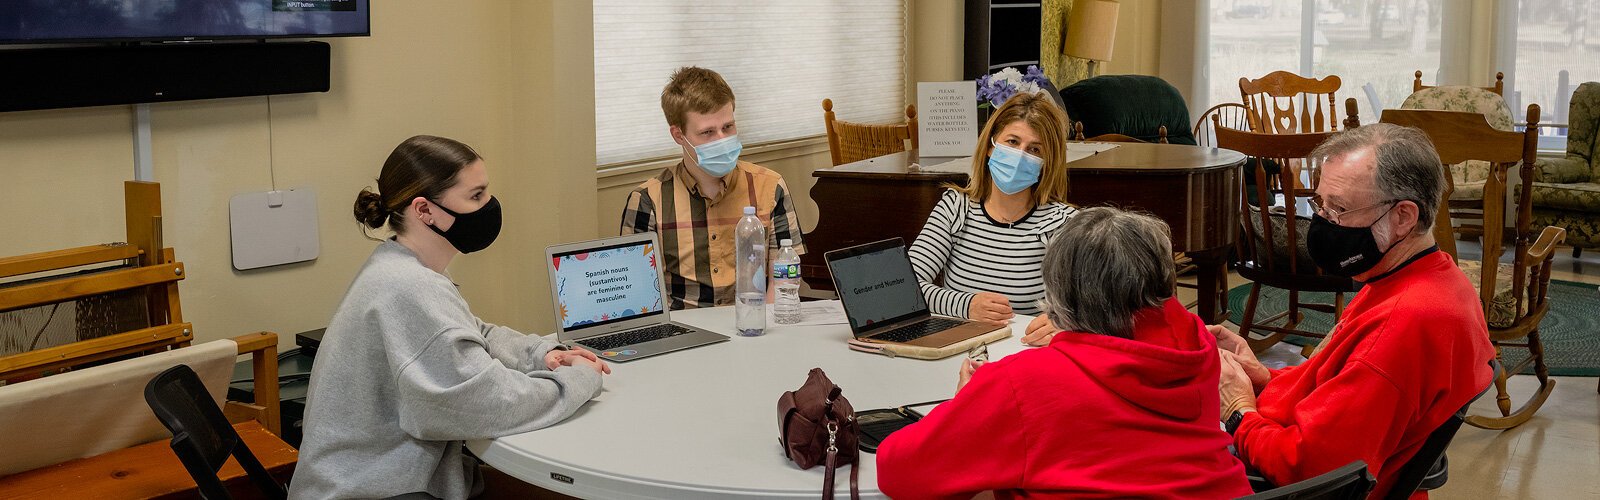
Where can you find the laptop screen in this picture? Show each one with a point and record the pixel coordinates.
(608, 284)
(877, 286)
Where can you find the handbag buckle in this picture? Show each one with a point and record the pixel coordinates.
(833, 433)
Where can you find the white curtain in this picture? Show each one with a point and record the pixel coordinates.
(782, 58)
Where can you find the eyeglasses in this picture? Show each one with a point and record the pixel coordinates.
(979, 353)
(1334, 215)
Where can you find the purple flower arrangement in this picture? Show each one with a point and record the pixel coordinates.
(993, 90)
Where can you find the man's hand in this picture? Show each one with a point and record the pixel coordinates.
(1229, 341)
(990, 307)
(1040, 332)
(1234, 386)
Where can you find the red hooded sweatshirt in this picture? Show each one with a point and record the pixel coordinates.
(1410, 349)
(1088, 416)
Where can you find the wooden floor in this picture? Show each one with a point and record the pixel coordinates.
(1554, 455)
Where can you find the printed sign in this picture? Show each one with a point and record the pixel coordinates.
(947, 119)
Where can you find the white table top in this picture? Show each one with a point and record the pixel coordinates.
(703, 423)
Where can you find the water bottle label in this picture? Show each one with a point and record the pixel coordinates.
(785, 271)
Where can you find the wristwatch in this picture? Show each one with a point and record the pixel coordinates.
(1232, 424)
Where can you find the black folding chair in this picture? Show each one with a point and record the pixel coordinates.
(1351, 482)
(1429, 469)
(201, 435)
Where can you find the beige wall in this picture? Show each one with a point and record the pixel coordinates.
(1138, 41)
(484, 72)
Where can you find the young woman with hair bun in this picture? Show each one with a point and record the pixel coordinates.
(406, 373)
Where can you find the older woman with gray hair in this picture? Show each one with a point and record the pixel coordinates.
(1129, 387)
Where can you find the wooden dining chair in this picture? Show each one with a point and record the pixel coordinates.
(1229, 114)
(851, 142)
(1513, 296)
(1499, 87)
(1272, 251)
(1286, 103)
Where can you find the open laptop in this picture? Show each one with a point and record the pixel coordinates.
(610, 299)
(883, 303)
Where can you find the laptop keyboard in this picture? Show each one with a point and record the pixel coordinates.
(632, 337)
(918, 330)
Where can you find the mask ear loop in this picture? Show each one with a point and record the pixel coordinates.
(1396, 242)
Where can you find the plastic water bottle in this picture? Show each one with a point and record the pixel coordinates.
(786, 278)
(750, 301)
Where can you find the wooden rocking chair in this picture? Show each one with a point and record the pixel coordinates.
(1513, 296)
(1271, 248)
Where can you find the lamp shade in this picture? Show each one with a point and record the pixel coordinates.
(1091, 29)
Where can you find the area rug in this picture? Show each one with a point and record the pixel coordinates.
(1570, 331)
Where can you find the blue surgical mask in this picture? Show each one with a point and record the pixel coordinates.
(1012, 169)
(719, 157)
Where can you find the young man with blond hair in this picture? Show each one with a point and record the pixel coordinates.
(695, 204)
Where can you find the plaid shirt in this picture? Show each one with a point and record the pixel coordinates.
(697, 232)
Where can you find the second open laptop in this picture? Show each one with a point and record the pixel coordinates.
(883, 302)
(610, 299)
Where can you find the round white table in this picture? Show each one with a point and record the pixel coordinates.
(702, 423)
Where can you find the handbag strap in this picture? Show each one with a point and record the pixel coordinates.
(833, 455)
(855, 471)
(833, 461)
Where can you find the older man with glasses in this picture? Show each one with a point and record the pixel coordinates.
(1411, 348)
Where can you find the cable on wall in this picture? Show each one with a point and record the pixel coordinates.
(272, 166)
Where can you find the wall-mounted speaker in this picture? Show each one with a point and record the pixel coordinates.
(47, 78)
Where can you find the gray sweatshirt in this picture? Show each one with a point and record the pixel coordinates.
(406, 373)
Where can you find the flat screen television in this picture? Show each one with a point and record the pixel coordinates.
(71, 21)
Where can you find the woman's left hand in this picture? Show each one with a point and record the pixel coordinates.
(969, 366)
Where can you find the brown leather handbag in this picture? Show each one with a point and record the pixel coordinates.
(817, 426)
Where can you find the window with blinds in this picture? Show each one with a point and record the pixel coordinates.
(782, 58)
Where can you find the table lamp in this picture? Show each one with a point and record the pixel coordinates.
(1091, 29)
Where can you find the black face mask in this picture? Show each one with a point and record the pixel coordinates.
(1343, 251)
(475, 230)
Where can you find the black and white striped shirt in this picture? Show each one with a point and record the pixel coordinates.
(966, 251)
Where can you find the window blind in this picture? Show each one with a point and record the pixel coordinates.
(782, 58)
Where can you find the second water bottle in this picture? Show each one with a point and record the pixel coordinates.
(750, 290)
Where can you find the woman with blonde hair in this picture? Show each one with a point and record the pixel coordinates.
(978, 256)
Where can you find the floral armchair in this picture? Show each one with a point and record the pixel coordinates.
(1467, 177)
(1567, 192)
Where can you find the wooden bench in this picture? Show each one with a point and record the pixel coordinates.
(149, 470)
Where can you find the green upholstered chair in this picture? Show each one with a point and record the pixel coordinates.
(1567, 193)
(1136, 106)
(1468, 177)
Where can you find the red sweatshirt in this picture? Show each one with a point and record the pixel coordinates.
(1410, 349)
(1088, 416)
